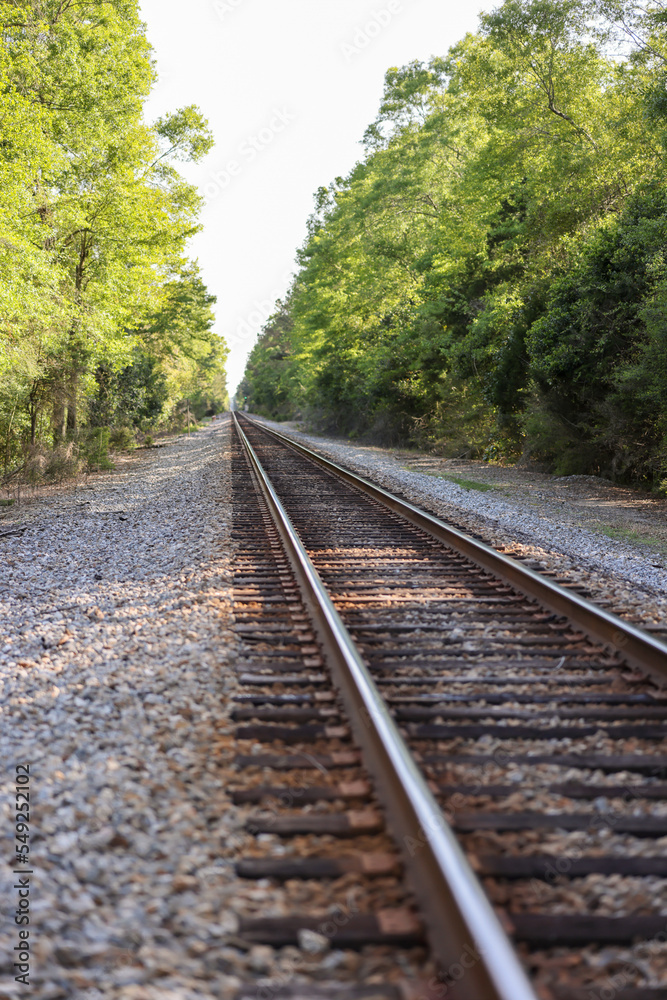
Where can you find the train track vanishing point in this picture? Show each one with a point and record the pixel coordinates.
(511, 730)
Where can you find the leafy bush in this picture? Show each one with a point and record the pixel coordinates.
(599, 353)
(44, 465)
(122, 439)
(95, 450)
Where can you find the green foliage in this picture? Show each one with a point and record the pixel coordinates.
(490, 279)
(94, 221)
(266, 388)
(93, 448)
(122, 439)
(136, 393)
(599, 353)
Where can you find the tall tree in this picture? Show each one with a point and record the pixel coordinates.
(97, 216)
(438, 287)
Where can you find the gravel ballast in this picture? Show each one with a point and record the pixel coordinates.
(114, 637)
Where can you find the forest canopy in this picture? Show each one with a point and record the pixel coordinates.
(491, 278)
(105, 324)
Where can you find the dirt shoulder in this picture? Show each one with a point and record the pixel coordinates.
(621, 512)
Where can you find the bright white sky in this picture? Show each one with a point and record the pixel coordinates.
(289, 87)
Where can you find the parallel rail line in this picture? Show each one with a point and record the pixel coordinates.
(459, 669)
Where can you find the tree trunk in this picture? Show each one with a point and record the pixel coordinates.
(72, 409)
(72, 382)
(59, 415)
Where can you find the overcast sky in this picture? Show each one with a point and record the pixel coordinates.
(289, 87)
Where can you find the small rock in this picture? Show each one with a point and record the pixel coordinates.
(312, 943)
(333, 961)
(261, 958)
(130, 975)
(96, 841)
(182, 883)
(69, 955)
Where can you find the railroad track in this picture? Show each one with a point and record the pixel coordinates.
(512, 732)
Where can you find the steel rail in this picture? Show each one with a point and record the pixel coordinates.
(463, 929)
(637, 647)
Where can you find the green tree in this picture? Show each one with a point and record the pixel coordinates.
(95, 216)
(438, 297)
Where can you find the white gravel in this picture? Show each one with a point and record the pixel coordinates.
(114, 637)
(619, 569)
